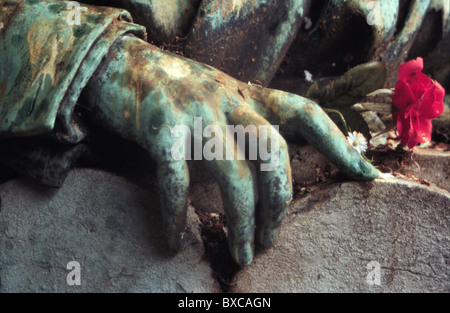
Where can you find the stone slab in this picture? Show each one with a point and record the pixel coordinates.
(331, 236)
(107, 224)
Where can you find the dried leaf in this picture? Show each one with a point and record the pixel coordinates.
(351, 87)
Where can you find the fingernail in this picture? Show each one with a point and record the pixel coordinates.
(245, 255)
(267, 237)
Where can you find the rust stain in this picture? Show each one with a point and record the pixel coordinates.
(138, 101)
(132, 78)
(222, 79)
(273, 105)
(127, 113)
(242, 93)
(243, 169)
(238, 112)
(46, 49)
(3, 86)
(335, 132)
(229, 81)
(310, 109)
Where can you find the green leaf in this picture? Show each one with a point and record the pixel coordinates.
(354, 120)
(351, 87)
(313, 91)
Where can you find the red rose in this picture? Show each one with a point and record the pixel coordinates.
(417, 99)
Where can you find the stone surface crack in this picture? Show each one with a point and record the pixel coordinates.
(410, 271)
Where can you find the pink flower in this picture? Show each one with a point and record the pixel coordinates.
(417, 99)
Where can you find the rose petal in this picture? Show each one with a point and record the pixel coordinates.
(433, 102)
(413, 130)
(417, 99)
(410, 69)
(403, 125)
(403, 96)
(424, 131)
(408, 110)
(418, 90)
(426, 81)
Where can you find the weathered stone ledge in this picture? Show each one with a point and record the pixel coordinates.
(331, 235)
(111, 226)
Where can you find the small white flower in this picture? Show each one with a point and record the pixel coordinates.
(308, 77)
(357, 141)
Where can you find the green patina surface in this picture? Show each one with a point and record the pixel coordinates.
(46, 62)
(143, 93)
